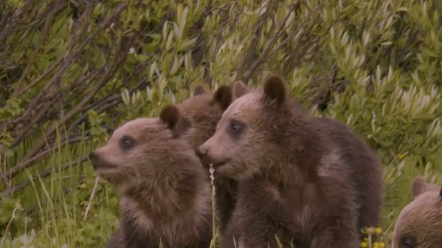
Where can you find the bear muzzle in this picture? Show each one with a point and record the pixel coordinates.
(206, 159)
(201, 153)
(98, 162)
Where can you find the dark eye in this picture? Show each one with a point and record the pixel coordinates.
(234, 127)
(126, 142)
(407, 242)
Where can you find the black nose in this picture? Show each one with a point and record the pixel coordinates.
(201, 152)
(93, 155)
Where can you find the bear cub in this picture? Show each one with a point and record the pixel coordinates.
(165, 194)
(292, 182)
(366, 170)
(419, 224)
(202, 112)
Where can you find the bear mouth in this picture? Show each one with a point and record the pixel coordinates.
(220, 164)
(103, 166)
(107, 171)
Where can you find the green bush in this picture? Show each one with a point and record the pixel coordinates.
(72, 71)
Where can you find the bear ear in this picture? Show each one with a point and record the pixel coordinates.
(239, 89)
(223, 96)
(199, 90)
(170, 115)
(418, 186)
(275, 89)
(440, 192)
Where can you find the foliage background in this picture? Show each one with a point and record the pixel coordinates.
(72, 71)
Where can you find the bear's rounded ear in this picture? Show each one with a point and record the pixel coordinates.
(199, 90)
(223, 96)
(275, 89)
(418, 186)
(170, 115)
(239, 89)
(440, 192)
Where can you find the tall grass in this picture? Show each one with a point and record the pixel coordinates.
(49, 212)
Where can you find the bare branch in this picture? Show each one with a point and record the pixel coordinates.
(48, 24)
(38, 145)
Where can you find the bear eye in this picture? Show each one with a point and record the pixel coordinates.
(126, 142)
(235, 127)
(408, 242)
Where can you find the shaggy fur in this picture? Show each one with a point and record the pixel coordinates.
(202, 112)
(165, 195)
(294, 182)
(419, 224)
(365, 170)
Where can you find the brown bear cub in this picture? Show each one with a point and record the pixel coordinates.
(294, 182)
(165, 194)
(366, 170)
(202, 112)
(419, 224)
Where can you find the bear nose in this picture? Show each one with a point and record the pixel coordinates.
(93, 155)
(200, 152)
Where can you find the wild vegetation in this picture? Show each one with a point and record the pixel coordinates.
(72, 71)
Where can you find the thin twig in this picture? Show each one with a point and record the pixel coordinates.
(212, 182)
(92, 196)
(37, 80)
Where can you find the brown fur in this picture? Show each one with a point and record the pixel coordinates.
(165, 195)
(293, 181)
(365, 170)
(419, 224)
(366, 173)
(202, 112)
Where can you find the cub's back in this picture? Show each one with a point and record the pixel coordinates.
(363, 165)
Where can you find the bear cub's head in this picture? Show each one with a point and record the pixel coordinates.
(419, 224)
(142, 149)
(255, 131)
(203, 111)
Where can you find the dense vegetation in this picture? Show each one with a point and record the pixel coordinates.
(72, 71)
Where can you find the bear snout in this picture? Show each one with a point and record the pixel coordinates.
(200, 152)
(93, 155)
(98, 162)
(207, 157)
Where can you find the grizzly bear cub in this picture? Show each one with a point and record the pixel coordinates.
(366, 170)
(419, 224)
(202, 112)
(165, 194)
(295, 186)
